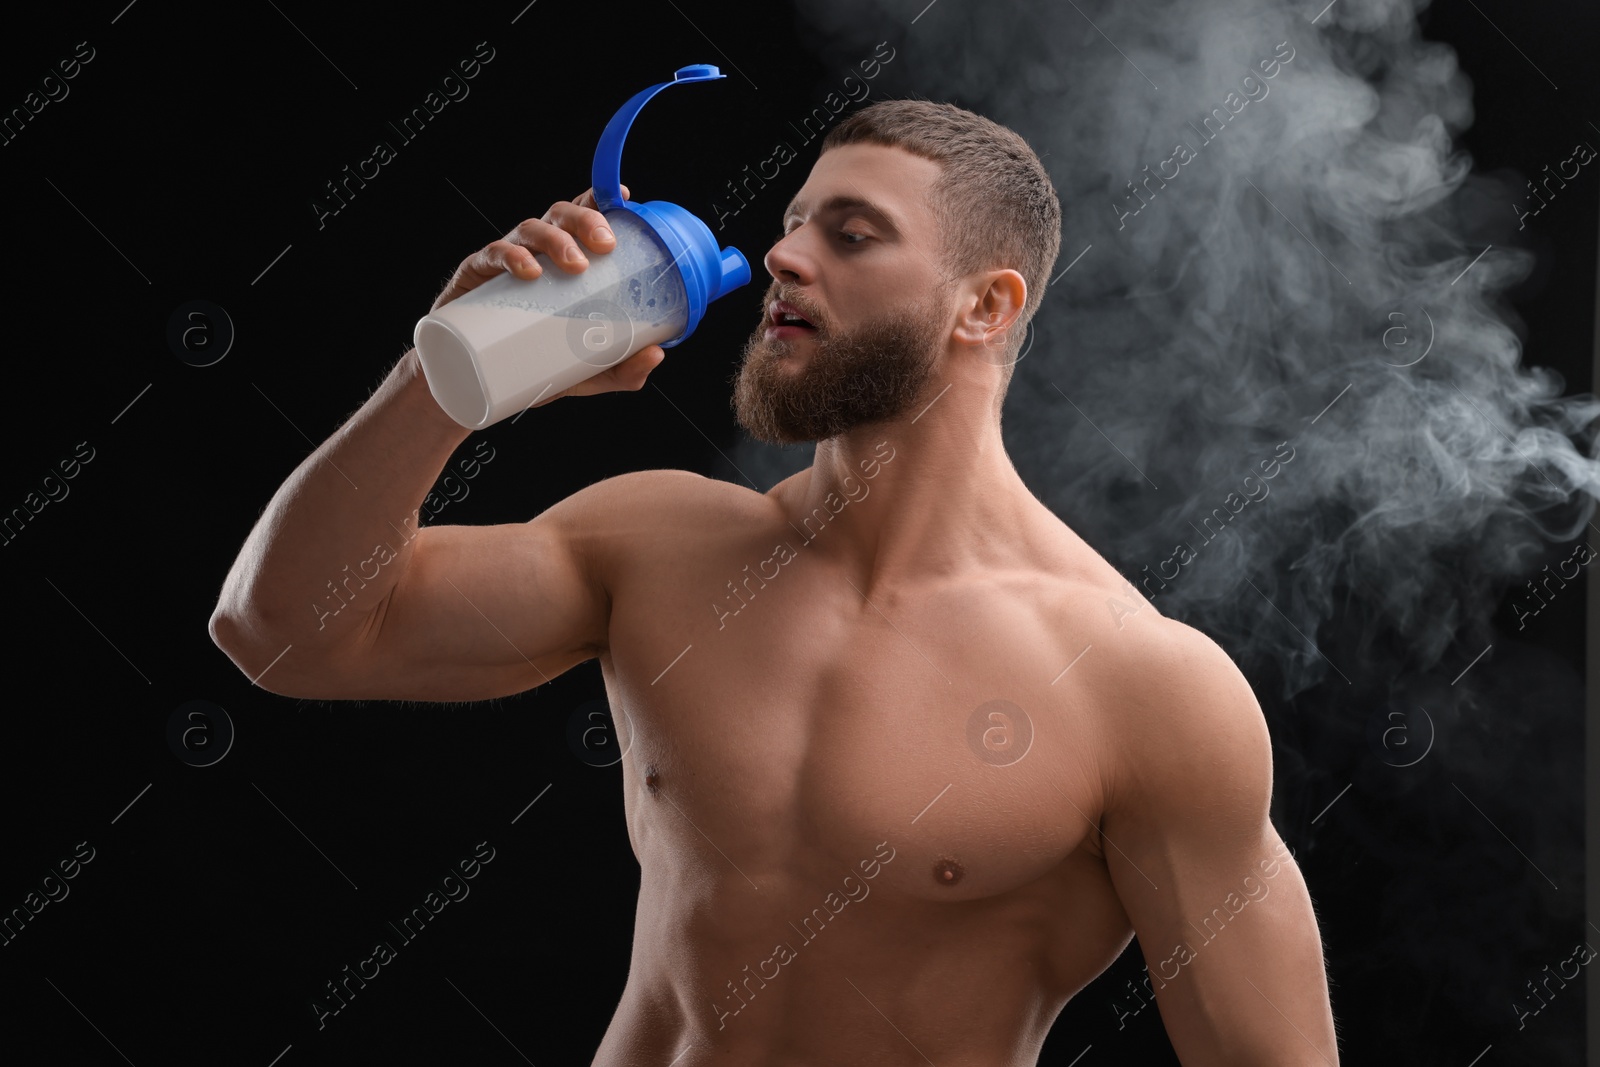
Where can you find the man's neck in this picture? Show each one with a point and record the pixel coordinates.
(931, 493)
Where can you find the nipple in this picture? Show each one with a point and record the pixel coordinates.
(947, 872)
(652, 779)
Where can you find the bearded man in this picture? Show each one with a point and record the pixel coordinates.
(909, 784)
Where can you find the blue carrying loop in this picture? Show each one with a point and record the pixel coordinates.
(606, 175)
(707, 272)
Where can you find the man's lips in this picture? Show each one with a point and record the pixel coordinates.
(786, 332)
(782, 313)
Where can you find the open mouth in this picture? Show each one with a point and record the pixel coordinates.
(784, 320)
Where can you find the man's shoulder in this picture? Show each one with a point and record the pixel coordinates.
(665, 491)
(1185, 715)
(630, 524)
(1165, 690)
(1165, 663)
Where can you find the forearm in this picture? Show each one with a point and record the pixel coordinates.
(339, 532)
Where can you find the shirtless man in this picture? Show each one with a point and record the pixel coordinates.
(908, 762)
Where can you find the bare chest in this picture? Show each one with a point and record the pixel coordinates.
(823, 728)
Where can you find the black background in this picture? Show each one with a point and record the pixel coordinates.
(183, 166)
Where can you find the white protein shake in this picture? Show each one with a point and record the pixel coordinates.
(506, 344)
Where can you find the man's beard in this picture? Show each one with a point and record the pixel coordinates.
(870, 374)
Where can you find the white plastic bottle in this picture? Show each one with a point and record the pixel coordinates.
(512, 341)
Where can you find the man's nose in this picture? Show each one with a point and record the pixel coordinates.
(787, 260)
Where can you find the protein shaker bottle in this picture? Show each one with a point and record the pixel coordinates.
(510, 342)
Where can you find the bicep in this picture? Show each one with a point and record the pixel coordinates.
(483, 611)
(1222, 914)
(1234, 955)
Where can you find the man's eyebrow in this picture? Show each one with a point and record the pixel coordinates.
(844, 203)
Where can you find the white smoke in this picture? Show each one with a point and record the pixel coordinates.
(1275, 281)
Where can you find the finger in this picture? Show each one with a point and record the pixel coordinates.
(554, 241)
(637, 367)
(629, 375)
(515, 252)
(586, 198)
(505, 254)
(585, 223)
(589, 192)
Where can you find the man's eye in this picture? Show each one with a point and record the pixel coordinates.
(847, 233)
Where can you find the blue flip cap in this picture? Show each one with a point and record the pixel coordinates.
(707, 271)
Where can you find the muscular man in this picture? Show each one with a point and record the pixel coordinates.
(908, 763)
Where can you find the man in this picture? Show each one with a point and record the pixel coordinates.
(908, 763)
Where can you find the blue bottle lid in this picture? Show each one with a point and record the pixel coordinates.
(707, 271)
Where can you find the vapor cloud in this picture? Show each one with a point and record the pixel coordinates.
(1254, 301)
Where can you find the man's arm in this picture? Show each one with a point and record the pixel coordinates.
(368, 605)
(1220, 909)
(337, 593)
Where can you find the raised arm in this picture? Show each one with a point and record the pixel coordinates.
(336, 593)
(1219, 907)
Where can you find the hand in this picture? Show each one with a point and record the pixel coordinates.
(558, 234)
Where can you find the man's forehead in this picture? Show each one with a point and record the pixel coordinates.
(876, 179)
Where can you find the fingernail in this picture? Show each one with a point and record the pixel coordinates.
(574, 256)
(602, 233)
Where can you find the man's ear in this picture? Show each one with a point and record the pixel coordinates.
(990, 313)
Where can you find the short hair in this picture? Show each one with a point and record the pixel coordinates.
(994, 201)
